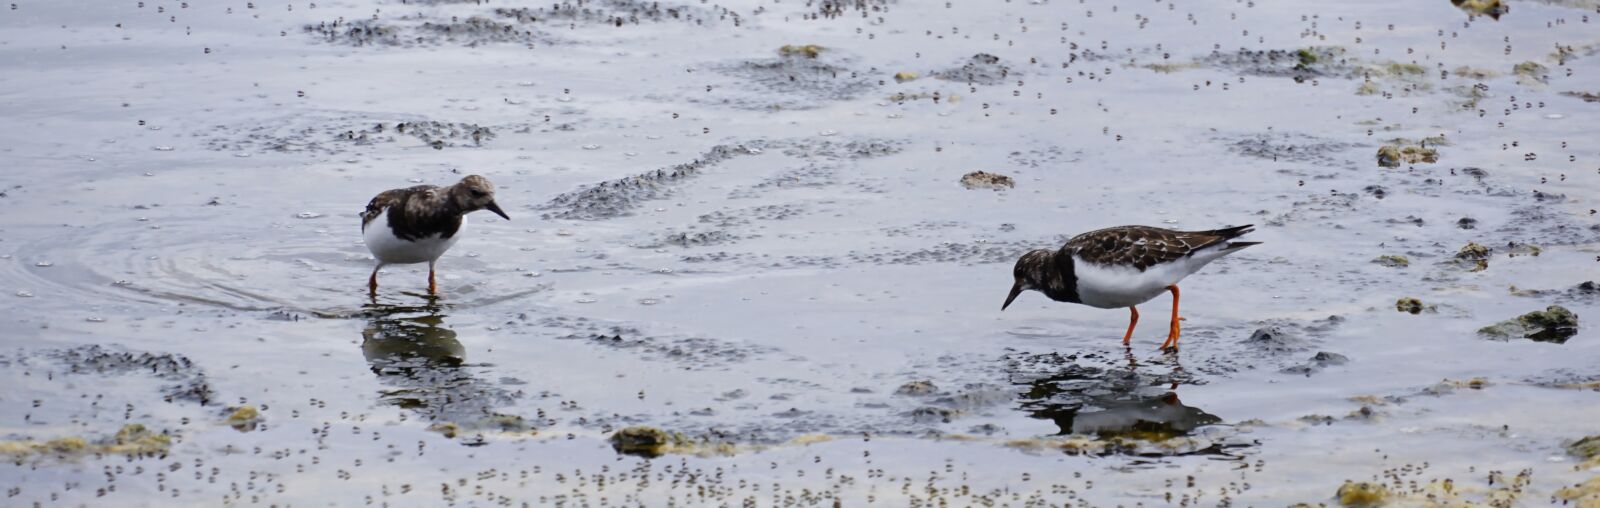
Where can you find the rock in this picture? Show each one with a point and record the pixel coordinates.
(1324, 358)
(931, 414)
(1392, 261)
(1554, 324)
(1274, 339)
(917, 388)
(1362, 494)
(1467, 223)
(987, 180)
(1586, 448)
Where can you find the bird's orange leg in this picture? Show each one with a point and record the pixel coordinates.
(1172, 333)
(433, 285)
(1133, 319)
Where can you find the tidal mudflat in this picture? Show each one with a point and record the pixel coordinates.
(749, 261)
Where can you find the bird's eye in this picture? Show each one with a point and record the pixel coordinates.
(478, 193)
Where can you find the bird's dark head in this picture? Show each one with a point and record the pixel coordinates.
(475, 193)
(1029, 273)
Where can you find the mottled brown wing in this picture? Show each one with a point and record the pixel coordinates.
(381, 202)
(1138, 246)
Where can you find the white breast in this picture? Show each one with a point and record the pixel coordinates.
(391, 250)
(1112, 287)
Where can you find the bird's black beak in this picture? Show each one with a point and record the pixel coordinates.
(493, 207)
(1016, 289)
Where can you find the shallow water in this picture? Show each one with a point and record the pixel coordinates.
(773, 254)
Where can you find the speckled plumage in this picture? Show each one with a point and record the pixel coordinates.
(418, 224)
(1142, 247)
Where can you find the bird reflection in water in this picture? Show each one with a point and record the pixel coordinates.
(1113, 403)
(425, 366)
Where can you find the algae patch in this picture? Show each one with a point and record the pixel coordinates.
(805, 50)
(1362, 494)
(1405, 152)
(134, 440)
(1392, 261)
(244, 418)
(1474, 8)
(1412, 306)
(648, 441)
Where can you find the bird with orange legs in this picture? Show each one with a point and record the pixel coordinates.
(1124, 266)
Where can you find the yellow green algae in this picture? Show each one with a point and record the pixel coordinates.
(1530, 73)
(1362, 494)
(1491, 8)
(1474, 255)
(805, 50)
(133, 440)
(1403, 151)
(1392, 261)
(244, 418)
(902, 77)
(1409, 305)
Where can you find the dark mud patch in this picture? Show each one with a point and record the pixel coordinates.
(336, 134)
(616, 198)
(980, 69)
(968, 253)
(182, 380)
(693, 353)
(794, 82)
(1293, 147)
(418, 30)
(620, 13)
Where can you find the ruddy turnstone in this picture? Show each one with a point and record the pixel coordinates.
(418, 224)
(1123, 267)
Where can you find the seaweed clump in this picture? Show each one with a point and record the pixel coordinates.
(1411, 305)
(1404, 152)
(1554, 324)
(1362, 494)
(805, 50)
(134, 440)
(1474, 255)
(1474, 8)
(987, 180)
(1392, 261)
(244, 418)
(647, 442)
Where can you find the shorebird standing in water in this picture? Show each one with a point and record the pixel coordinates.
(1123, 267)
(418, 224)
